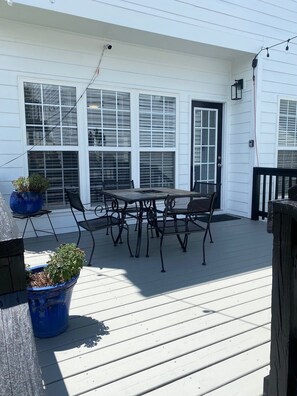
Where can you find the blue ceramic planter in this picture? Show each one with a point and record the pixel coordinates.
(49, 306)
(28, 202)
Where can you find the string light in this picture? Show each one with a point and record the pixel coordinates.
(287, 46)
(92, 80)
(255, 60)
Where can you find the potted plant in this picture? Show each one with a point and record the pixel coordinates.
(27, 196)
(49, 290)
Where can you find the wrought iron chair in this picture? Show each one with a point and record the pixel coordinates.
(132, 210)
(180, 218)
(209, 192)
(100, 222)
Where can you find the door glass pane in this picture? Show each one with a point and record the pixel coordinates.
(204, 144)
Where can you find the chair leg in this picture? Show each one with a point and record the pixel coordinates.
(208, 226)
(211, 241)
(128, 241)
(183, 243)
(118, 239)
(161, 254)
(79, 235)
(93, 248)
(203, 247)
(147, 240)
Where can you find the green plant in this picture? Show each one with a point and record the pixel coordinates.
(34, 182)
(64, 264)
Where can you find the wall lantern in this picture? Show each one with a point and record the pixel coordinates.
(236, 90)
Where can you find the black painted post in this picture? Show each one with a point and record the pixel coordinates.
(282, 379)
(20, 371)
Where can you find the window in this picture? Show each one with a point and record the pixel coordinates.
(157, 169)
(108, 118)
(287, 141)
(157, 133)
(51, 121)
(109, 127)
(110, 166)
(287, 134)
(103, 149)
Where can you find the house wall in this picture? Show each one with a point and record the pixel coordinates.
(167, 61)
(46, 55)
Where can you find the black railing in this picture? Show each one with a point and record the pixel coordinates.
(270, 184)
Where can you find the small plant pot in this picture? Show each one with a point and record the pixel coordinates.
(27, 202)
(49, 306)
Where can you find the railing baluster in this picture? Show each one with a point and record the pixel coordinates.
(264, 196)
(277, 181)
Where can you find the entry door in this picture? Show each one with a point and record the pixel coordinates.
(206, 143)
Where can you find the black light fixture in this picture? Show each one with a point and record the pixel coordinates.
(236, 90)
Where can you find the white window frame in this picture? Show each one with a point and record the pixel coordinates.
(83, 148)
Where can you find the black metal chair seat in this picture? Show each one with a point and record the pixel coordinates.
(180, 217)
(100, 222)
(94, 224)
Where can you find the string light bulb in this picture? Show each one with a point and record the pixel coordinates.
(287, 46)
(267, 55)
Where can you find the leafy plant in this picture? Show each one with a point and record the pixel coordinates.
(34, 182)
(65, 263)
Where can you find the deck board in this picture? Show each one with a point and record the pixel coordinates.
(195, 330)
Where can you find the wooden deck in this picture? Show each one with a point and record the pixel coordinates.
(194, 330)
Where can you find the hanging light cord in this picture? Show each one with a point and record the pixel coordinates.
(92, 80)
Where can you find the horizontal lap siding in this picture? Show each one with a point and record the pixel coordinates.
(55, 56)
(58, 57)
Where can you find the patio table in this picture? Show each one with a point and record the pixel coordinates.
(145, 198)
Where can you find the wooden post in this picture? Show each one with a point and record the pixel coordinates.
(20, 371)
(283, 356)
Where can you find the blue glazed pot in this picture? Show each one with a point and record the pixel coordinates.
(27, 202)
(49, 306)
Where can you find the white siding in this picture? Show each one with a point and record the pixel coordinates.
(58, 57)
(193, 50)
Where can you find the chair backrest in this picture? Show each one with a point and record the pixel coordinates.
(205, 188)
(201, 202)
(74, 200)
(180, 204)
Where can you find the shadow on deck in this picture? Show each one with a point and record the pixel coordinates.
(196, 330)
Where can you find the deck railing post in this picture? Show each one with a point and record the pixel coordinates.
(20, 371)
(255, 194)
(282, 379)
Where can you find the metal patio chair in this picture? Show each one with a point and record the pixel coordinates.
(209, 192)
(99, 222)
(131, 211)
(180, 218)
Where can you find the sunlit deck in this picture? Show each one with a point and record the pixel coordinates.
(194, 330)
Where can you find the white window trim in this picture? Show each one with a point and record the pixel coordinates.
(82, 125)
